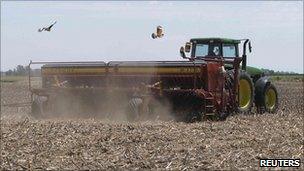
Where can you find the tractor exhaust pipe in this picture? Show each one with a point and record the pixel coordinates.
(244, 56)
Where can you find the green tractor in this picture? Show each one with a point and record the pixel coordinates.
(254, 86)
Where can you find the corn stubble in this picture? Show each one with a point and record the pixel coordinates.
(237, 143)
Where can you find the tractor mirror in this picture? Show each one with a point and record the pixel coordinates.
(182, 52)
(187, 47)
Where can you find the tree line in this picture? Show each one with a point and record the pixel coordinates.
(21, 70)
(272, 72)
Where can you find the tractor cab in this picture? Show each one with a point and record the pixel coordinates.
(201, 48)
(212, 47)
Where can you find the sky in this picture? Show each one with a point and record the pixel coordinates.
(108, 30)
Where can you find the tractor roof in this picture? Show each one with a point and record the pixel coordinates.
(216, 39)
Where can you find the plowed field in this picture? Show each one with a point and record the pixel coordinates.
(237, 143)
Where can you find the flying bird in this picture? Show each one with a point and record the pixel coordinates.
(47, 28)
(159, 33)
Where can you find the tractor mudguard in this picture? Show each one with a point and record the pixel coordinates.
(260, 85)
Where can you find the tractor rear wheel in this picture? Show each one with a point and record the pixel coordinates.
(246, 96)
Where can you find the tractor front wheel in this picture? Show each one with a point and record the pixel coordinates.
(269, 100)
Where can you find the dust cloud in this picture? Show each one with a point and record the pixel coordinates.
(119, 101)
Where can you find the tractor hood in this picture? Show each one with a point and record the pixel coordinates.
(253, 71)
(250, 70)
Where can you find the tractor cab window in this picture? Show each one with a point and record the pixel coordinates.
(229, 50)
(202, 50)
